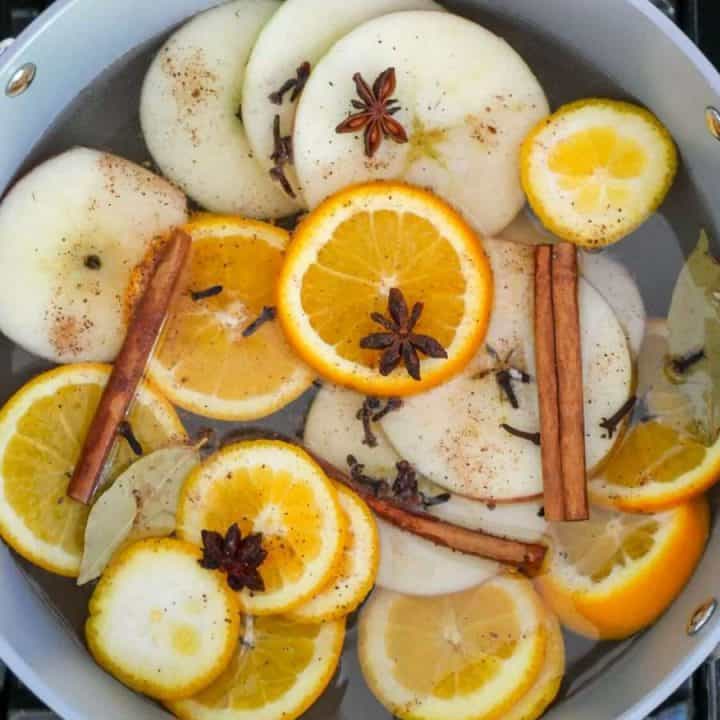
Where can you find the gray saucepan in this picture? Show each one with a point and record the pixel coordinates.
(73, 77)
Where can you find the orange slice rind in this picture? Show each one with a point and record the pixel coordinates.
(347, 255)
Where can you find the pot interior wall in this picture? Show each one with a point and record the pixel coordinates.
(105, 116)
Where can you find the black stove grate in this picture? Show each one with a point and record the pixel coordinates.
(696, 699)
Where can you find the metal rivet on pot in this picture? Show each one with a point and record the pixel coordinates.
(21, 80)
(701, 616)
(712, 118)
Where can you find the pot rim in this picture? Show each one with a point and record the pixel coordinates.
(704, 646)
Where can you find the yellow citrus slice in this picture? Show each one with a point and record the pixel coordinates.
(42, 430)
(279, 670)
(596, 169)
(544, 690)
(655, 467)
(204, 363)
(160, 623)
(470, 655)
(616, 573)
(347, 255)
(358, 567)
(276, 489)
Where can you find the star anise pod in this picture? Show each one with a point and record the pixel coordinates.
(375, 113)
(400, 343)
(236, 556)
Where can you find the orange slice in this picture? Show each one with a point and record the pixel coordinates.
(467, 656)
(42, 430)
(351, 251)
(279, 670)
(204, 363)
(596, 169)
(616, 573)
(358, 566)
(547, 685)
(661, 463)
(160, 623)
(272, 488)
(655, 467)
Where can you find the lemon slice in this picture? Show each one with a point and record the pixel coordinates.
(358, 566)
(272, 488)
(42, 430)
(204, 362)
(544, 690)
(351, 251)
(472, 654)
(616, 573)
(596, 169)
(160, 623)
(279, 669)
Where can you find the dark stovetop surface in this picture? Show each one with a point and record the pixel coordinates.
(700, 19)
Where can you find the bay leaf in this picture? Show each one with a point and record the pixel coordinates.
(694, 324)
(141, 503)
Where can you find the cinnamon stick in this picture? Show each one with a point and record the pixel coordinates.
(129, 367)
(528, 557)
(546, 368)
(569, 380)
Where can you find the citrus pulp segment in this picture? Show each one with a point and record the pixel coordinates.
(596, 169)
(279, 670)
(273, 488)
(463, 137)
(615, 574)
(190, 110)
(71, 232)
(160, 623)
(357, 570)
(42, 430)
(345, 258)
(470, 655)
(301, 31)
(206, 361)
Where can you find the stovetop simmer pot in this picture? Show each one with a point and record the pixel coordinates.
(640, 53)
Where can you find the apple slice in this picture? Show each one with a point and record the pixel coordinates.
(333, 431)
(408, 564)
(414, 566)
(615, 283)
(71, 233)
(454, 433)
(190, 112)
(300, 32)
(466, 99)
